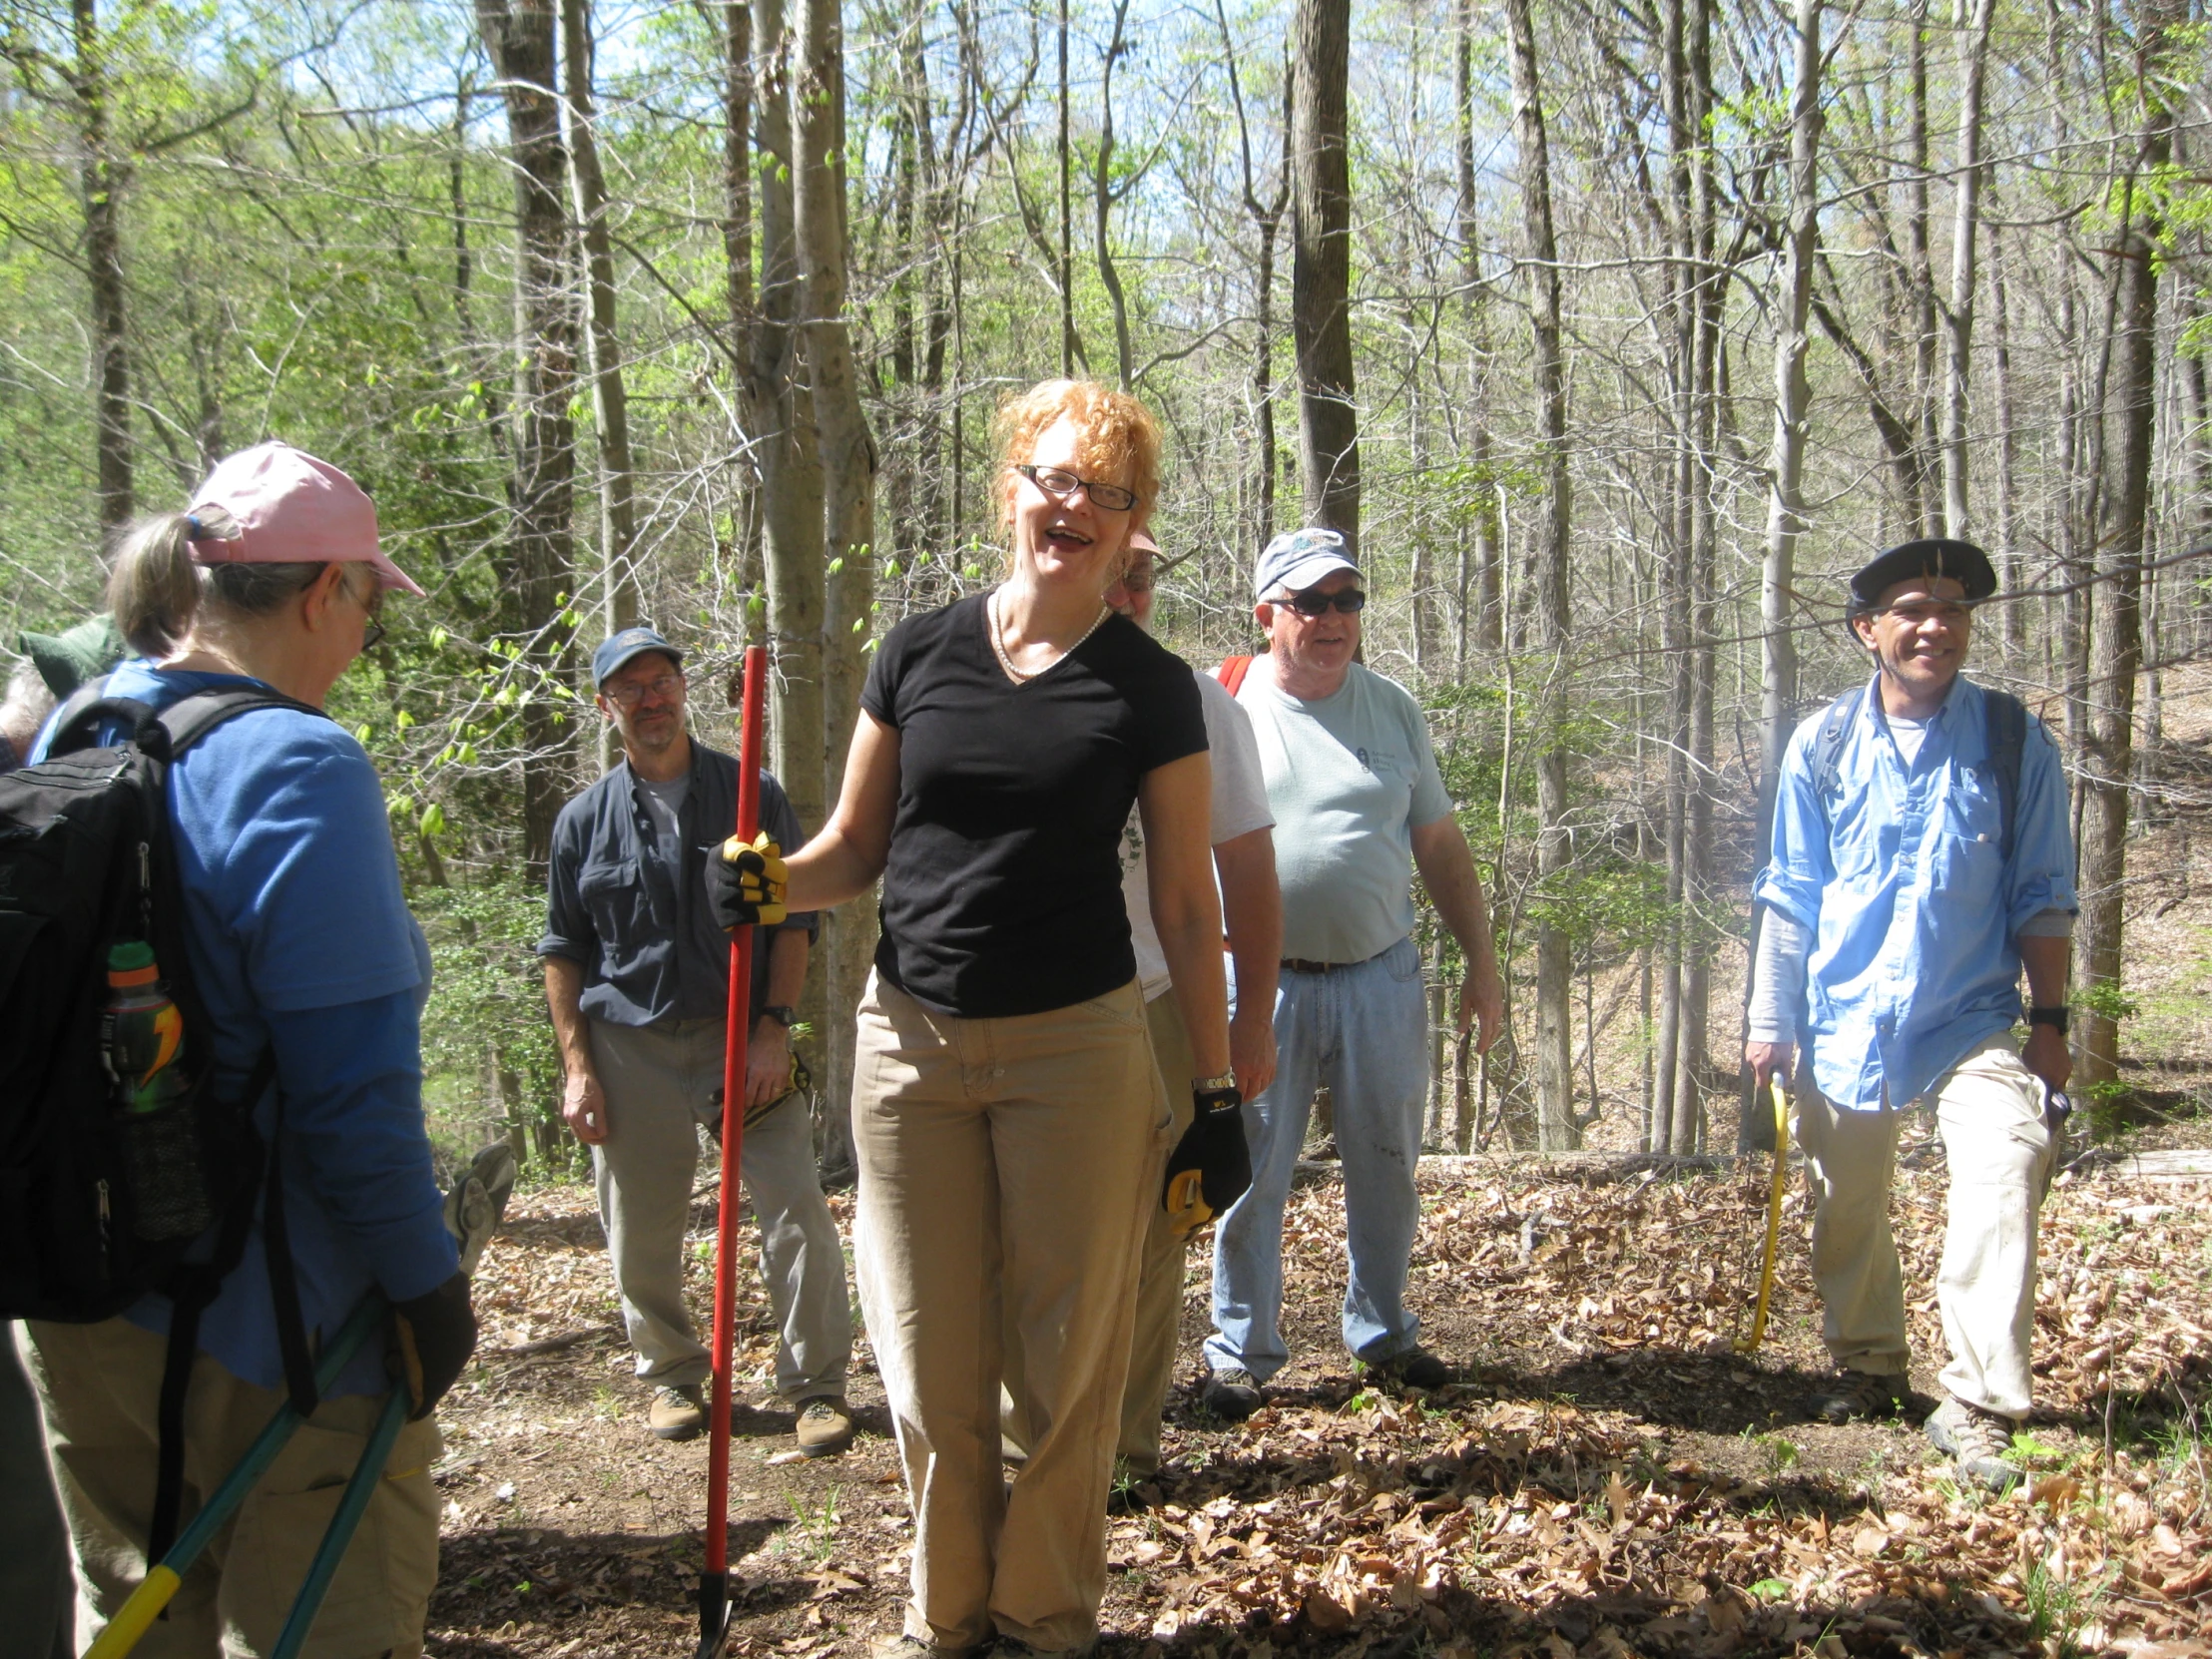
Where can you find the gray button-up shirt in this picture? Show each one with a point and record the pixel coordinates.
(639, 925)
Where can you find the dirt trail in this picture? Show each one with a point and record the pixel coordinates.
(1608, 1479)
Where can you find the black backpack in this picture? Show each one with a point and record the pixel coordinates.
(98, 1206)
(2005, 729)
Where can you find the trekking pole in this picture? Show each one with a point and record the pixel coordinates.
(137, 1615)
(714, 1576)
(1774, 1216)
(352, 1507)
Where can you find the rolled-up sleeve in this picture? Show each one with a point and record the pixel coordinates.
(2040, 876)
(568, 926)
(1798, 864)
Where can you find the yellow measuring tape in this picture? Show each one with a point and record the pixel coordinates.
(1774, 1217)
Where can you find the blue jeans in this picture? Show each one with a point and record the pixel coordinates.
(1364, 1031)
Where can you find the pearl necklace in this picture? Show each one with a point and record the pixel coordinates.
(998, 644)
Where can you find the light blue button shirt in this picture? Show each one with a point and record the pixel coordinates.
(1913, 907)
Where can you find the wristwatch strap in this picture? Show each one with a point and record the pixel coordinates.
(2055, 1015)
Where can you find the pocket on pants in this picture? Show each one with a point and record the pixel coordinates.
(1123, 1009)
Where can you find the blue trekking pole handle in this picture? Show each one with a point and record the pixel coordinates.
(339, 1533)
(166, 1576)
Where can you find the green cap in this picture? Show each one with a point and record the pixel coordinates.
(67, 660)
(129, 955)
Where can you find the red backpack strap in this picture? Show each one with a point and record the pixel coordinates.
(1232, 673)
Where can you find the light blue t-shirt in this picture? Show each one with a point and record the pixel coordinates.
(301, 939)
(1350, 778)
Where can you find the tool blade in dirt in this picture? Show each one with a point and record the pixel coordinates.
(715, 1614)
(714, 1579)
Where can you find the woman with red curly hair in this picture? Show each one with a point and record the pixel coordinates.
(1005, 1107)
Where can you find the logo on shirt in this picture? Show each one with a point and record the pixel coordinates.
(1364, 764)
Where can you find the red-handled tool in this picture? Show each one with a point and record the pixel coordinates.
(713, 1576)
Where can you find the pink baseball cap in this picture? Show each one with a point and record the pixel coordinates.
(288, 507)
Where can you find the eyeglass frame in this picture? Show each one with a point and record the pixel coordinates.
(663, 685)
(1307, 597)
(1090, 487)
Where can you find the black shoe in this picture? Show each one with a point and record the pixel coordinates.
(1858, 1396)
(1416, 1368)
(1232, 1395)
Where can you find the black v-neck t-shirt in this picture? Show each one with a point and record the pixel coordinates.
(1002, 893)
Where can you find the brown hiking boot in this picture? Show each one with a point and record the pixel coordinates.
(678, 1414)
(1858, 1396)
(1975, 1439)
(825, 1425)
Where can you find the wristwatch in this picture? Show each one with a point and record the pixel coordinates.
(2055, 1015)
(783, 1013)
(1214, 1085)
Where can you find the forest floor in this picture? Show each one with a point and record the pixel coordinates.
(1608, 1478)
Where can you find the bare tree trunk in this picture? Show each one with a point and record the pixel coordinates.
(101, 176)
(848, 480)
(1482, 527)
(2117, 646)
(1321, 270)
(1922, 275)
(518, 35)
(1974, 57)
(2011, 618)
(1556, 1128)
(1102, 198)
(1067, 214)
(610, 401)
(783, 435)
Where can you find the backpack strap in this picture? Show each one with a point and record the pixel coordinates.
(1828, 747)
(1232, 673)
(190, 719)
(2004, 728)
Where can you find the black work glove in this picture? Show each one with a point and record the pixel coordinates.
(1211, 1166)
(745, 882)
(434, 1334)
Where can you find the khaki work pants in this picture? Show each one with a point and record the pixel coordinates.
(661, 1081)
(1160, 1278)
(1989, 1111)
(1005, 1166)
(100, 1385)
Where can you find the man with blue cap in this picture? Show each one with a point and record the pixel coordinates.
(1920, 860)
(1358, 806)
(636, 973)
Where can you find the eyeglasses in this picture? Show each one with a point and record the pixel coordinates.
(1312, 602)
(1914, 612)
(628, 693)
(372, 627)
(1058, 481)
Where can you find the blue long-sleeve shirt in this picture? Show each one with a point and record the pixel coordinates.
(301, 941)
(1913, 909)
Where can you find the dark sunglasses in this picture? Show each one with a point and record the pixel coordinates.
(1312, 602)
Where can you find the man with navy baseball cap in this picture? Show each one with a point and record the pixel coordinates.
(637, 974)
(1920, 860)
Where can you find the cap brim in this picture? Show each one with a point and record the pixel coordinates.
(393, 577)
(1310, 570)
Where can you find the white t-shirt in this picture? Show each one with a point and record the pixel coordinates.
(1240, 806)
(1350, 777)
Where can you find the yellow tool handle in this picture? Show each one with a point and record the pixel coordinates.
(137, 1615)
(1774, 1216)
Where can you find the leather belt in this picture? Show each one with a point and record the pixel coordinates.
(1299, 964)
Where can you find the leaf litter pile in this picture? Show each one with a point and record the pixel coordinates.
(1607, 1478)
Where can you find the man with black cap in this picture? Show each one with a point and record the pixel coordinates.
(638, 974)
(1358, 806)
(1920, 860)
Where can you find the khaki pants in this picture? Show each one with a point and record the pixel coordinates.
(1160, 1274)
(1990, 1110)
(1005, 1166)
(661, 1081)
(99, 1385)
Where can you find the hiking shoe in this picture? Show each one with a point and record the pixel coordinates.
(1232, 1395)
(1858, 1396)
(1975, 1439)
(1416, 1368)
(678, 1414)
(903, 1646)
(825, 1425)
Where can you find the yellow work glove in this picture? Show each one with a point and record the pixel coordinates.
(746, 882)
